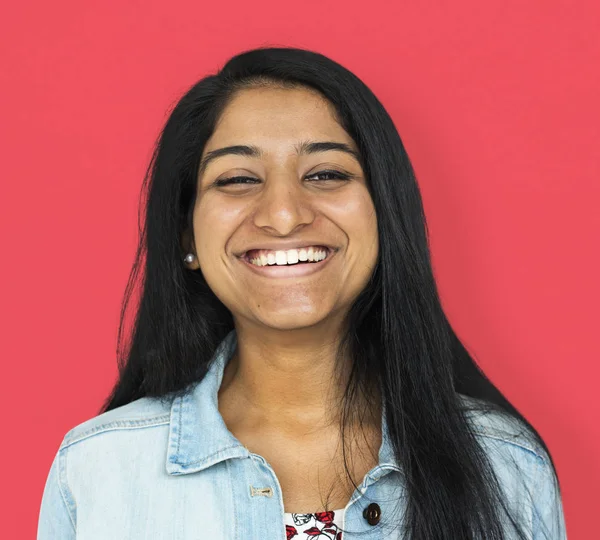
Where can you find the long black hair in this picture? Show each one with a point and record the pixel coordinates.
(398, 337)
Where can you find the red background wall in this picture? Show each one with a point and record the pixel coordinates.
(497, 103)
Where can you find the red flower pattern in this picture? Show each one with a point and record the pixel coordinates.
(324, 517)
(329, 530)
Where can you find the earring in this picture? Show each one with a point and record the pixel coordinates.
(189, 258)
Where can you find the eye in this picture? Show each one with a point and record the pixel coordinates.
(333, 175)
(235, 180)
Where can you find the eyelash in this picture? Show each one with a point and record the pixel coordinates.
(227, 181)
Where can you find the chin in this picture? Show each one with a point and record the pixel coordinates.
(291, 319)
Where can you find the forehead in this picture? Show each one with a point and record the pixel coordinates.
(268, 115)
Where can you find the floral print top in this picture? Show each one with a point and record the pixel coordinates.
(319, 526)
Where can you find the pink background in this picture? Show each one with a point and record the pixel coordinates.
(497, 103)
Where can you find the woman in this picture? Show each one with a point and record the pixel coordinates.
(291, 372)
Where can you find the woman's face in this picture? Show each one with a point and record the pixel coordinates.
(282, 204)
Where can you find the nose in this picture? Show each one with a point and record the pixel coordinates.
(283, 206)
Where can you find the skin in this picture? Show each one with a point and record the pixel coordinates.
(279, 390)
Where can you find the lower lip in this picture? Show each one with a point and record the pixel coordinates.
(292, 270)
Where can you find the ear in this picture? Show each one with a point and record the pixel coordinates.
(187, 247)
(186, 242)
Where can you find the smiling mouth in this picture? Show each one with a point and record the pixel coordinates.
(290, 270)
(291, 257)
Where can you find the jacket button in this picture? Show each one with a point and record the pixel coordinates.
(372, 514)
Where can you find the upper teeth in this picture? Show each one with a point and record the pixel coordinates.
(290, 256)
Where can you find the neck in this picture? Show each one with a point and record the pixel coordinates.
(285, 379)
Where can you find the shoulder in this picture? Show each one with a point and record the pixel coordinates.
(143, 413)
(498, 428)
(522, 466)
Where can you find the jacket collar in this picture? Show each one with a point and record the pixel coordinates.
(198, 435)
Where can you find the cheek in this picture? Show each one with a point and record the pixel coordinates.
(356, 216)
(214, 224)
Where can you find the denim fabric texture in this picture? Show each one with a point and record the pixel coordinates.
(171, 470)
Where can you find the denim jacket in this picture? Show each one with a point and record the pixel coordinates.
(156, 469)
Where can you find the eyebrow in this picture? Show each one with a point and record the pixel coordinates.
(254, 151)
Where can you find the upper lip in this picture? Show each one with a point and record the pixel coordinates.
(284, 246)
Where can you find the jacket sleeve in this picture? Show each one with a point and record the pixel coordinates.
(548, 515)
(57, 512)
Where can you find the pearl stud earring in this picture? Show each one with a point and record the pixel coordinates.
(189, 258)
